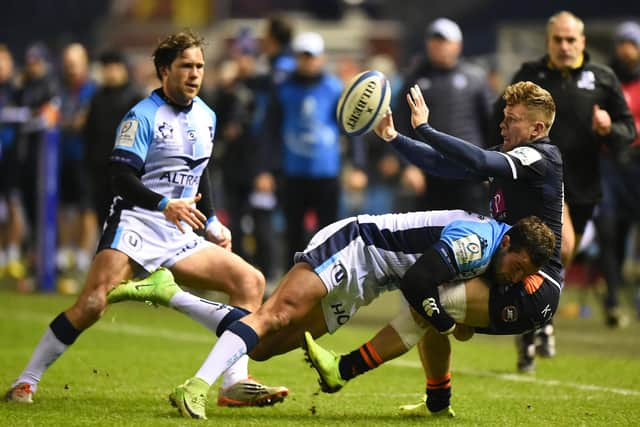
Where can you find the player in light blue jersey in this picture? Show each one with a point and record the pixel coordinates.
(159, 173)
(350, 262)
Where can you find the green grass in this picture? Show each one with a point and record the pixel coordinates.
(120, 372)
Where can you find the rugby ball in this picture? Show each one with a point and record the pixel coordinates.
(363, 102)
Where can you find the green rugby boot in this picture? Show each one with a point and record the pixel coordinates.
(191, 398)
(158, 288)
(421, 410)
(326, 364)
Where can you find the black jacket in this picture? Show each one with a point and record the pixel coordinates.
(575, 93)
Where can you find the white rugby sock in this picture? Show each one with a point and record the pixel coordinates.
(229, 349)
(48, 350)
(205, 312)
(237, 372)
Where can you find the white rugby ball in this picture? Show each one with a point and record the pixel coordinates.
(363, 102)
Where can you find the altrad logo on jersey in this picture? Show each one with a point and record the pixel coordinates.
(180, 178)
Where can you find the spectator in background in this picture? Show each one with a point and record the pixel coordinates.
(460, 99)
(11, 222)
(77, 220)
(306, 141)
(39, 94)
(113, 99)
(591, 112)
(280, 62)
(235, 150)
(620, 205)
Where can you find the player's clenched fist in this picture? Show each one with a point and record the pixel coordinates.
(177, 210)
(217, 233)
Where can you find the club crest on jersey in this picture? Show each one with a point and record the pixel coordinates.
(166, 130)
(587, 80)
(127, 134)
(509, 314)
(467, 249)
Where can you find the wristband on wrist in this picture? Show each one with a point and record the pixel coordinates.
(211, 220)
(162, 204)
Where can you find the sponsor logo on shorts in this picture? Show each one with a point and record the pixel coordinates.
(430, 307)
(189, 246)
(132, 240)
(547, 312)
(341, 315)
(338, 274)
(509, 314)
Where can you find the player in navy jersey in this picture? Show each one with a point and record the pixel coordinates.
(159, 173)
(526, 179)
(350, 262)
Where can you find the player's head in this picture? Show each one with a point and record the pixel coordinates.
(528, 115)
(309, 51)
(627, 44)
(278, 34)
(523, 250)
(443, 42)
(179, 62)
(565, 40)
(75, 64)
(115, 70)
(6, 63)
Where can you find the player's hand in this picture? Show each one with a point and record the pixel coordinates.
(217, 233)
(184, 209)
(463, 332)
(385, 128)
(419, 109)
(601, 122)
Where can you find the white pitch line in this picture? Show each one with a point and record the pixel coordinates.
(528, 379)
(144, 331)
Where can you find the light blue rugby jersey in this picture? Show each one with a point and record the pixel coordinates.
(168, 145)
(398, 240)
(394, 242)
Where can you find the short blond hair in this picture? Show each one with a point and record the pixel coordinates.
(538, 101)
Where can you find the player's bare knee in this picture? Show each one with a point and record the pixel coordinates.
(250, 287)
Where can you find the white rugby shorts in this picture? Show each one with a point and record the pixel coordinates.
(149, 239)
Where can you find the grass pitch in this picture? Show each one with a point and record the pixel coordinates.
(120, 372)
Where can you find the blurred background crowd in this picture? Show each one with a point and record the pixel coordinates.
(72, 69)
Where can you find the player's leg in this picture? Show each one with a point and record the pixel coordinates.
(214, 268)
(108, 268)
(298, 292)
(467, 302)
(218, 269)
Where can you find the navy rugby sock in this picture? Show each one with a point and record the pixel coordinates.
(438, 393)
(359, 361)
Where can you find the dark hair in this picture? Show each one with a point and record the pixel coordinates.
(280, 28)
(533, 236)
(169, 48)
(112, 56)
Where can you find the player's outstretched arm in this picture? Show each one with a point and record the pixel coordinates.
(419, 153)
(482, 162)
